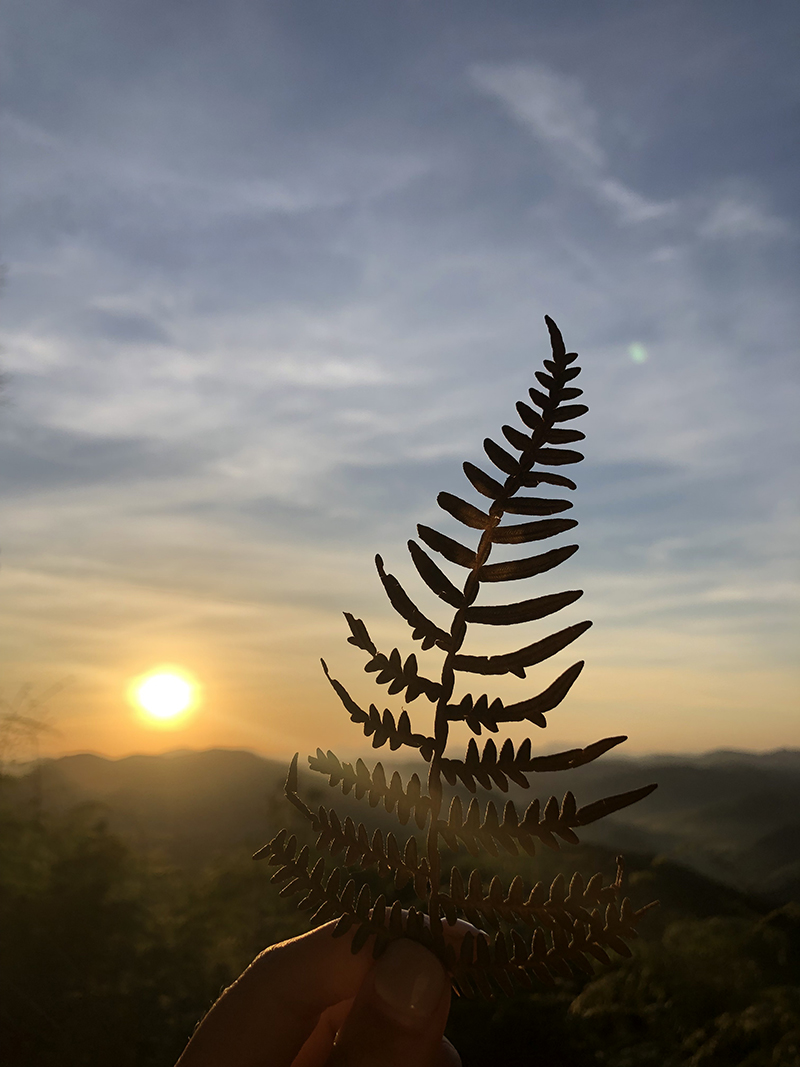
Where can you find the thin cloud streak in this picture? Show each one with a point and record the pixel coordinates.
(554, 109)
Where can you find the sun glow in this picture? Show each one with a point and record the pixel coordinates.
(165, 697)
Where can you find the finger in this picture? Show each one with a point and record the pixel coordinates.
(448, 1055)
(399, 1015)
(318, 1045)
(269, 1012)
(265, 1017)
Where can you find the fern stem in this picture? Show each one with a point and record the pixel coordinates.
(458, 631)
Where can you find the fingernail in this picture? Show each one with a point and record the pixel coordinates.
(409, 980)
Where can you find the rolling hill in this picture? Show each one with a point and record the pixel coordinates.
(732, 816)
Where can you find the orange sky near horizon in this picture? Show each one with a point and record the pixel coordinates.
(262, 687)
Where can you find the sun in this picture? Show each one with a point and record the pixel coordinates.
(165, 696)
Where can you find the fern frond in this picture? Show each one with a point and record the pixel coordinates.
(387, 924)
(452, 550)
(423, 629)
(487, 767)
(553, 822)
(353, 840)
(533, 479)
(524, 610)
(477, 713)
(373, 784)
(464, 512)
(549, 906)
(514, 569)
(404, 863)
(322, 899)
(534, 505)
(566, 927)
(382, 728)
(484, 483)
(434, 578)
(391, 670)
(525, 532)
(529, 656)
(482, 962)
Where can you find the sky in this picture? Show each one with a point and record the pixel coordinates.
(273, 272)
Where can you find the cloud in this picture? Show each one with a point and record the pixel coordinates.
(130, 328)
(632, 206)
(554, 109)
(733, 218)
(551, 105)
(86, 171)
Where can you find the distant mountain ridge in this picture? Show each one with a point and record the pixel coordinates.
(730, 815)
(185, 803)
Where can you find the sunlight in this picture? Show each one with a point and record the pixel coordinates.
(165, 696)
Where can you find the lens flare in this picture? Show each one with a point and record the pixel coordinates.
(638, 353)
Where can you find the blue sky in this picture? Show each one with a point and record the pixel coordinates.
(275, 269)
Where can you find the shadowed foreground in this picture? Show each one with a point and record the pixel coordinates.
(111, 951)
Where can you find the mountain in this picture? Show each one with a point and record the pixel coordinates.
(186, 804)
(729, 815)
(732, 816)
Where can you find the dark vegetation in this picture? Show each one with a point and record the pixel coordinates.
(128, 900)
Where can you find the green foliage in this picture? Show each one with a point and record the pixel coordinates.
(717, 992)
(713, 992)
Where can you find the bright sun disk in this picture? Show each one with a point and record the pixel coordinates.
(164, 695)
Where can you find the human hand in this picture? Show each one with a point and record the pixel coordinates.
(309, 1002)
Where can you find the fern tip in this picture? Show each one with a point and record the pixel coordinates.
(291, 777)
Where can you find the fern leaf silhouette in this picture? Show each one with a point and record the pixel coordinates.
(522, 932)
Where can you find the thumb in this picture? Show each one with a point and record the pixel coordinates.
(399, 1015)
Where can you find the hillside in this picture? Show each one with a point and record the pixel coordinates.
(729, 815)
(106, 948)
(189, 805)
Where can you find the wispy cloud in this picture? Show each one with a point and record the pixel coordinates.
(734, 217)
(554, 109)
(102, 186)
(551, 105)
